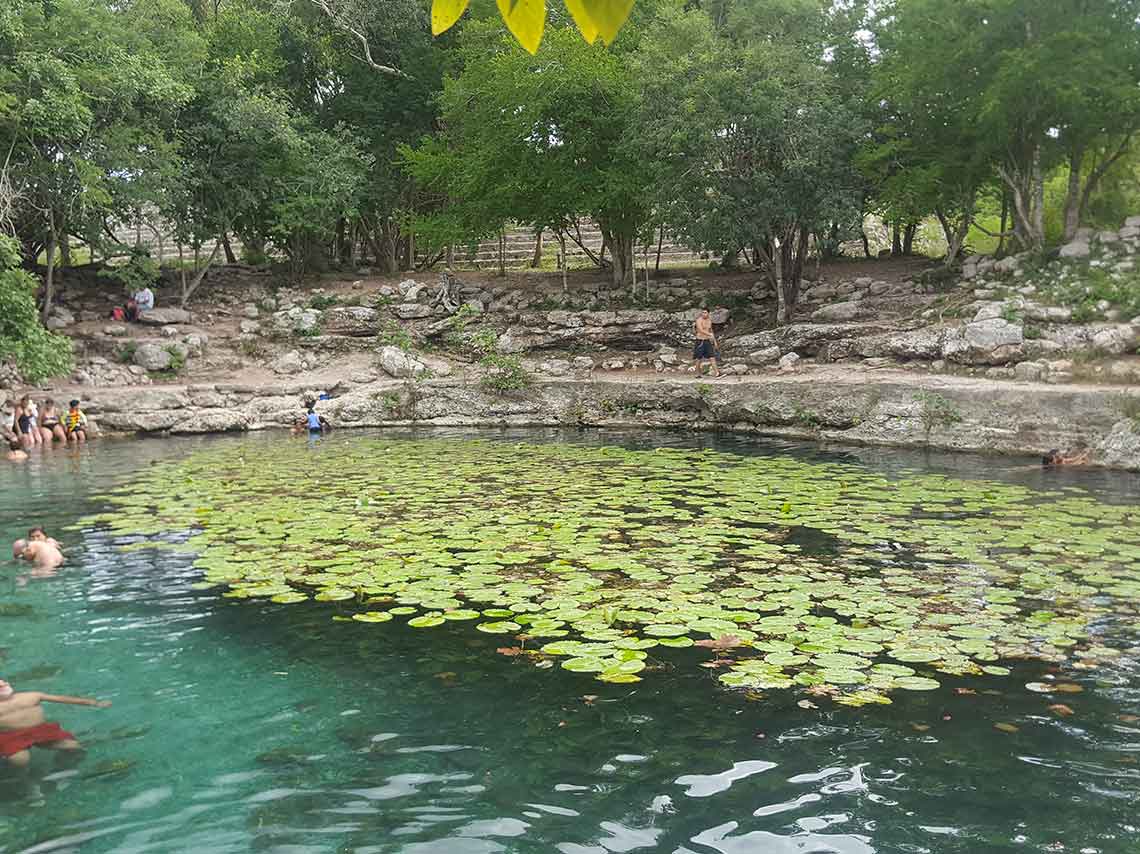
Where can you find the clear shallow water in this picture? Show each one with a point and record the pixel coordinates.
(240, 726)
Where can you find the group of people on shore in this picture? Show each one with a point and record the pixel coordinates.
(29, 425)
(22, 721)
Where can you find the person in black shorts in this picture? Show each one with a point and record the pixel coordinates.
(705, 348)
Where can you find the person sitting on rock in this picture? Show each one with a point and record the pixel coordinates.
(1075, 457)
(50, 425)
(142, 300)
(75, 423)
(22, 723)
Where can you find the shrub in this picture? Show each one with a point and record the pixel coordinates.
(36, 352)
(937, 411)
(322, 301)
(506, 373)
(137, 272)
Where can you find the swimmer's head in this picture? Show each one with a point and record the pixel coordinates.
(14, 445)
(36, 534)
(6, 690)
(1051, 458)
(18, 548)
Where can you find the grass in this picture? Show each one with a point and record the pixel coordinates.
(1129, 406)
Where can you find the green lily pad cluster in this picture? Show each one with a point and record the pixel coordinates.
(797, 573)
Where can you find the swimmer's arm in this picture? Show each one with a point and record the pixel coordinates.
(74, 701)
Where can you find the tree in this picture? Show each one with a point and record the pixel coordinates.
(539, 140)
(1035, 83)
(751, 144)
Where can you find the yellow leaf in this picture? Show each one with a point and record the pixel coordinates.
(526, 19)
(444, 14)
(583, 20)
(605, 16)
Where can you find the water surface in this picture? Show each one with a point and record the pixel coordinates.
(243, 726)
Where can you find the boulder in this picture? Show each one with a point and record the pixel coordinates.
(555, 367)
(1076, 249)
(115, 330)
(583, 363)
(60, 318)
(169, 332)
(984, 342)
(290, 363)
(250, 327)
(152, 357)
(989, 310)
(412, 311)
(1007, 266)
(399, 363)
(1030, 371)
(164, 316)
(1121, 447)
(838, 311)
(1107, 237)
(719, 316)
(789, 361)
(1132, 222)
(767, 356)
(351, 320)
(250, 311)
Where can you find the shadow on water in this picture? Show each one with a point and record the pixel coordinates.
(241, 726)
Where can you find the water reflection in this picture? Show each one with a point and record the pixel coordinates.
(238, 727)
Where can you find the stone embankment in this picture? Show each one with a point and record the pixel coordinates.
(829, 403)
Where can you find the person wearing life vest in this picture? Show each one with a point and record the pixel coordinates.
(75, 423)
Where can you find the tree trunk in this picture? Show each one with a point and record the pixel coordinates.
(896, 240)
(230, 258)
(188, 290)
(409, 262)
(536, 260)
(502, 253)
(449, 256)
(64, 250)
(793, 250)
(621, 246)
(866, 242)
(562, 259)
(956, 231)
(1004, 219)
(1072, 210)
(49, 278)
(1026, 192)
(908, 238)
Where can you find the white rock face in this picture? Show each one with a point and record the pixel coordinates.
(290, 363)
(789, 361)
(397, 363)
(1077, 249)
(151, 357)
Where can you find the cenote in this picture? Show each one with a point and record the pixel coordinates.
(577, 642)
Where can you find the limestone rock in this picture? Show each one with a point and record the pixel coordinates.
(398, 363)
(583, 363)
(837, 312)
(211, 421)
(60, 318)
(152, 357)
(767, 356)
(1030, 371)
(251, 311)
(412, 311)
(1077, 249)
(250, 327)
(1008, 265)
(290, 363)
(985, 342)
(115, 330)
(352, 320)
(555, 367)
(1121, 447)
(719, 316)
(164, 316)
(789, 361)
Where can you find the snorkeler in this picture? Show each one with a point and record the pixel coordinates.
(22, 723)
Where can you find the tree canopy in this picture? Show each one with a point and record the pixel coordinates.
(325, 132)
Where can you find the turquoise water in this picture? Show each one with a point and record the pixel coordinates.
(242, 726)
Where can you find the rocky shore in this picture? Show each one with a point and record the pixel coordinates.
(830, 403)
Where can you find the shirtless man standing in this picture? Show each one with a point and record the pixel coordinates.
(22, 723)
(705, 349)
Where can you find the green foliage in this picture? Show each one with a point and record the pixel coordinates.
(177, 359)
(36, 352)
(936, 411)
(322, 301)
(395, 335)
(125, 353)
(504, 373)
(137, 272)
(1084, 287)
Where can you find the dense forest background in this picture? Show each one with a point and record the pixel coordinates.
(324, 132)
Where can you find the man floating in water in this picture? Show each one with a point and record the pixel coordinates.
(22, 723)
